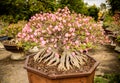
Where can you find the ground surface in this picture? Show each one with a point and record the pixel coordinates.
(108, 58)
(13, 71)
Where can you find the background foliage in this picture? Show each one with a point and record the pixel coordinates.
(14, 10)
(115, 5)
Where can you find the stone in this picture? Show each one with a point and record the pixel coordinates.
(117, 48)
(4, 54)
(18, 56)
(34, 49)
(1, 45)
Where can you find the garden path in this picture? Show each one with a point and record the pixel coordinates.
(13, 71)
(108, 58)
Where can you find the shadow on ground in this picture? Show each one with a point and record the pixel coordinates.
(13, 71)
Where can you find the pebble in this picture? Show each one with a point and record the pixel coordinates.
(18, 56)
(117, 48)
(1, 46)
(34, 49)
(4, 54)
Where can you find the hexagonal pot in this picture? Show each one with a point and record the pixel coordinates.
(36, 76)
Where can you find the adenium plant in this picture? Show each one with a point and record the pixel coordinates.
(62, 37)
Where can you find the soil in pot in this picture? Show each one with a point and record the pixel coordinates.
(42, 67)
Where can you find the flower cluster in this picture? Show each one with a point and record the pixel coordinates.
(62, 31)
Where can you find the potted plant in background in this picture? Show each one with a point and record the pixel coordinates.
(113, 29)
(63, 39)
(11, 31)
(10, 43)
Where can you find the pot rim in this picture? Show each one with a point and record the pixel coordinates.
(54, 76)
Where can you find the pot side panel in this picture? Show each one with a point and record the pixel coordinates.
(34, 78)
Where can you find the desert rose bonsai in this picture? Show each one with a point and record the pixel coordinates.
(62, 38)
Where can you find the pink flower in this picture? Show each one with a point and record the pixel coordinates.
(26, 39)
(43, 43)
(30, 30)
(72, 29)
(34, 39)
(47, 29)
(64, 42)
(52, 40)
(59, 29)
(87, 33)
(73, 34)
(73, 53)
(42, 18)
(67, 35)
(87, 40)
(76, 42)
(39, 25)
(22, 36)
(43, 31)
(48, 51)
(49, 48)
(53, 29)
(69, 24)
(31, 36)
(64, 21)
(67, 47)
(50, 26)
(27, 29)
(49, 32)
(90, 28)
(57, 55)
(56, 27)
(66, 39)
(55, 45)
(19, 34)
(81, 51)
(35, 33)
(59, 37)
(47, 41)
(86, 19)
(60, 18)
(56, 40)
(79, 25)
(41, 39)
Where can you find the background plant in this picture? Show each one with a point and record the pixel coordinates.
(12, 29)
(79, 6)
(93, 11)
(2, 25)
(113, 24)
(108, 20)
(14, 10)
(62, 37)
(114, 5)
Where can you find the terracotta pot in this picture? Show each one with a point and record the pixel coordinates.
(36, 76)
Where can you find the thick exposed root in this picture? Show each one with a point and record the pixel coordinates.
(64, 62)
